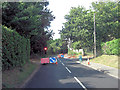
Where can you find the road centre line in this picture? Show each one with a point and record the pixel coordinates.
(80, 83)
(68, 70)
(63, 64)
(75, 77)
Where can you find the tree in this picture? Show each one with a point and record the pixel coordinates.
(57, 46)
(79, 25)
(29, 19)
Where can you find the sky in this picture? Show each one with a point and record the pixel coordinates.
(61, 8)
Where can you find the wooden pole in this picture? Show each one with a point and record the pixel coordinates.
(94, 38)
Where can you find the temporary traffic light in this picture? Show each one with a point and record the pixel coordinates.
(45, 48)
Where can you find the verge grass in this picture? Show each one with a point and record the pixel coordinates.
(108, 60)
(15, 78)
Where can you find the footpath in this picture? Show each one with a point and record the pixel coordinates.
(103, 68)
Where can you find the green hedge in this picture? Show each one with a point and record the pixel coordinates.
(111, 47)
(15, 49)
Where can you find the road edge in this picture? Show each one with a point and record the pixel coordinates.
(117, 77)
(30, 77)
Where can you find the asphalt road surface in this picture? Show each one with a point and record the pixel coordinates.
(69, 74)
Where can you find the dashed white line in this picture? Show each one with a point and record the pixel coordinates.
(68, 70)
(63, 64)
(80, 83)
(75, 78)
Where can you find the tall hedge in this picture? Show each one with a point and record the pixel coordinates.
(15, 49)
(111, 47)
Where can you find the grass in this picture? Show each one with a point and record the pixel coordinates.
(15, 78)
(108, 60)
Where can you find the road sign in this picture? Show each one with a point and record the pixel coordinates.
(44, 60)
(62, 56)
(53, 60)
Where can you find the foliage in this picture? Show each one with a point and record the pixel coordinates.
(111, 47)
(79, 27)
(76, 45)
(15, 49)
(80, 24)
(57, 46)
(29, 19)
(71, 52)
(106, 20)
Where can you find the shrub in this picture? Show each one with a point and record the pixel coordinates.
(15, 49)
(111, 47)
(70, 52)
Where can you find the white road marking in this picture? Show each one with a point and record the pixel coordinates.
(63, 64)
(80, 83)
(75, 77)
(77, 61)
(68, 70)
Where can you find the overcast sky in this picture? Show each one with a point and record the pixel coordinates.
(62, 7)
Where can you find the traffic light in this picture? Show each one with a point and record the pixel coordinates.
(45, 48)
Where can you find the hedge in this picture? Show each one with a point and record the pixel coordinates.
(15, 49)
(111, 47)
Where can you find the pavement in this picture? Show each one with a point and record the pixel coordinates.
(103, 68)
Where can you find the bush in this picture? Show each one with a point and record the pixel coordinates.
(111, 47)
(70, 52)
(15, 49)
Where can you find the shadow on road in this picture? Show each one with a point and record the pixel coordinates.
(91, 77)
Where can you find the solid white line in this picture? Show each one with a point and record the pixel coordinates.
(68, 70)
(80, 83)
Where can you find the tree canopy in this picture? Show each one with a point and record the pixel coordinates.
(29, 19)
(80, 24)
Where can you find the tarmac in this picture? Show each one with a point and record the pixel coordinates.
(114, 72)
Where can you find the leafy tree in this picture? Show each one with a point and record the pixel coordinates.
(106, 20)
(80, 24)
(29, 19)
(57, 46)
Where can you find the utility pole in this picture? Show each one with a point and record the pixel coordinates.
(94, 38)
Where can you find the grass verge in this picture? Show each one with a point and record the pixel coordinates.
(15, 78)
(108, 60)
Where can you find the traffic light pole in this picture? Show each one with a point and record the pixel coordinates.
(45, 52)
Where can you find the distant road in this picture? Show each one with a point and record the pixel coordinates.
(69, 74)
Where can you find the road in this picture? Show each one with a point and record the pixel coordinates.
(69, 74)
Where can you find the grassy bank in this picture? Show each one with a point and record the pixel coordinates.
(108, 60)
(15, 78)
